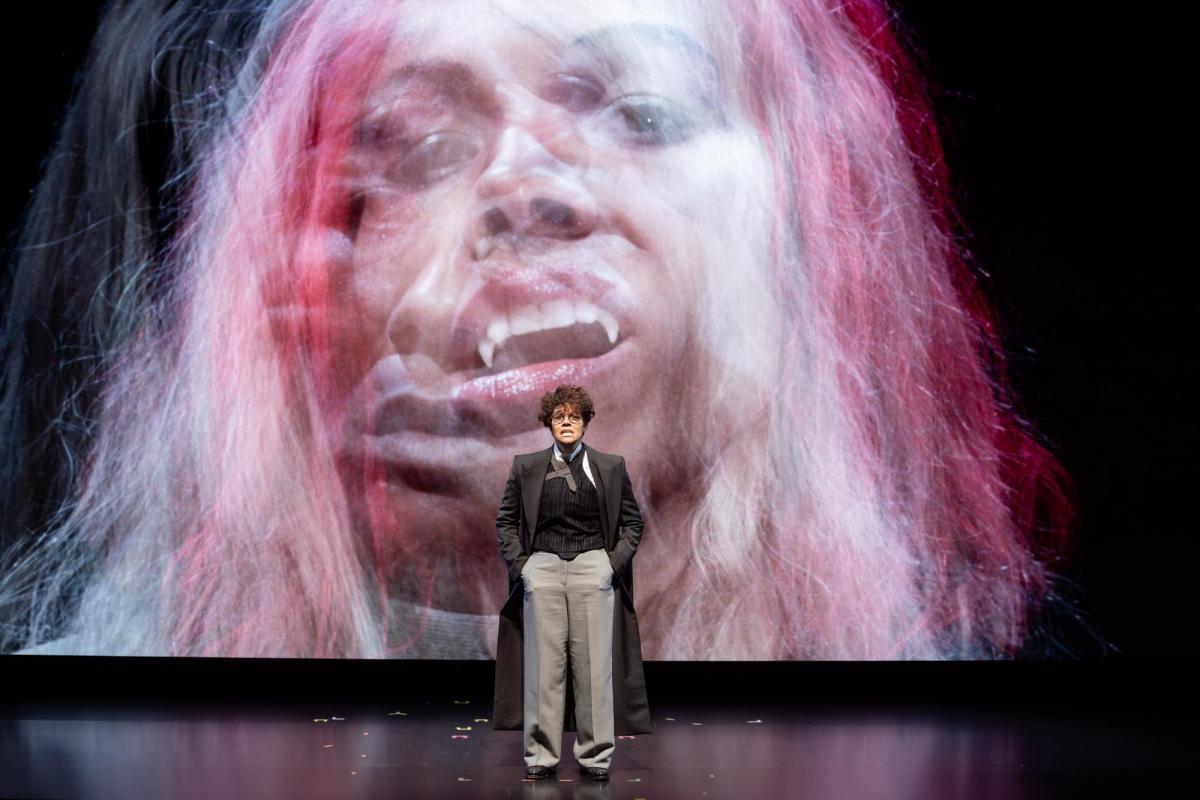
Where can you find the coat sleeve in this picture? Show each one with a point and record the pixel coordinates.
(508, 525)
(629, 530)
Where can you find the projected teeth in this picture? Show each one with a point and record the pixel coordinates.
(525, 320)
(483, 248)
(487, 352)
(497, 331)
(551, 315)
(558, 314)
(585, 312)
(610, 326)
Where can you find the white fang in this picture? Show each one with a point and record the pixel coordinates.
(487, 351)
(550, 315)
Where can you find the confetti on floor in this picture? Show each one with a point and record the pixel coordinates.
(634, 780)
(320, 719)
(481, 719)
(461, 702)
(464, 780)
(397, 714)
(669, 719)
(460, 736)
(626, 737)
(327, 746)
(754, 722)
(697, 723)
(338, 719)
(462, 727)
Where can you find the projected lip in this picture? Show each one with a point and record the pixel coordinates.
(524, 332)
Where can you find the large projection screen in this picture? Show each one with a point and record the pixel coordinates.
(297, 274)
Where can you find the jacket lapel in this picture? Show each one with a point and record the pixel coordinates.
(531, 488)
(602, 472)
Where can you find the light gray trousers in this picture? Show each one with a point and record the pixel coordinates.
(568, 609)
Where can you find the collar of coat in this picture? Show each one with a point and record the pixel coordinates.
(587, 467)
(603, 473)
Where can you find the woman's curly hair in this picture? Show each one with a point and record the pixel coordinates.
(567, 395)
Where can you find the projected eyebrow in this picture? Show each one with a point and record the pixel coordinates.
(615, 38)
(436, 79)
(623, 49)
(420, 98)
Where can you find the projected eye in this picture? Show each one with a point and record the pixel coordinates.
(435, 157)
(652, 121)
(573, 92)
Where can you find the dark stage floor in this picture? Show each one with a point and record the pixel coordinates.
(445, 748)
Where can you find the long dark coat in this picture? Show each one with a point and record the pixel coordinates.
(621, 524)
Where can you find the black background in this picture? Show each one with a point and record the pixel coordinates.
(1066, 145)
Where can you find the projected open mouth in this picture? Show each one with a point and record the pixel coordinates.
(546, 332)
(522, 333)
(530, 330)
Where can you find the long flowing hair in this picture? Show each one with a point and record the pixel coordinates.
(869, 489)
(902, 507)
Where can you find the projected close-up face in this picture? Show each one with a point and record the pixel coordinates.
(541, 194)
(279, 407)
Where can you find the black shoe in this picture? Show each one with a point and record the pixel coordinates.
(538, 772)
(595, 773)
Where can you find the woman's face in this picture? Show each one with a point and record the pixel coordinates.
(540, 196)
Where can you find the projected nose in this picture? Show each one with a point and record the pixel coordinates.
(534, 188)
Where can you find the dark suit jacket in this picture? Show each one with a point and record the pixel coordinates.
(621, 525)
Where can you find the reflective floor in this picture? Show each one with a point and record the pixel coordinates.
(446, 749)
